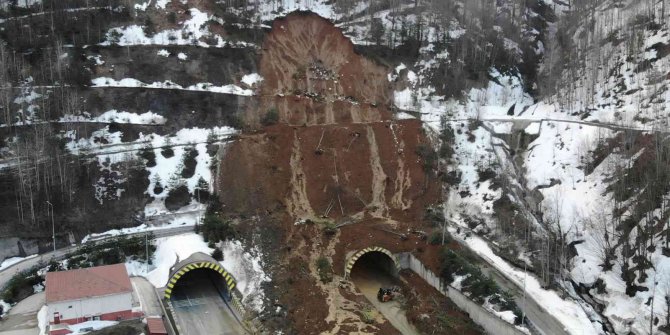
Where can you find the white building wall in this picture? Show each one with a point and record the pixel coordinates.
(91, 306)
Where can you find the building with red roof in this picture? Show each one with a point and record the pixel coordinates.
(98, 293)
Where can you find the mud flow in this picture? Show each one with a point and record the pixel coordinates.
(372, 272)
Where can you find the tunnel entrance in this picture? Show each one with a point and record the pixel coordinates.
(375, 261)
(188, 265)
(203, 297)
(197, 279)
(380, 252)
(375, 269)
(202, 304)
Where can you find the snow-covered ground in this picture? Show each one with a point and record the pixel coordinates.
(117, 117)
(168, 85)
(166, 173)
(85, 327)
(13, 260)
(193, 31)
(5, 308)
(245, 266)
(568, 312)
(43, 320)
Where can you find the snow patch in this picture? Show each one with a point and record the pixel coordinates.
(43, 319)
(13, 260)
(251, 79)
(85, 327)
(168, 85)
(247, 270)
(5, 308)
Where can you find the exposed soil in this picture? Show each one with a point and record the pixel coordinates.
(337, 173)
(313, 76)
(357, 170)
(433, 313)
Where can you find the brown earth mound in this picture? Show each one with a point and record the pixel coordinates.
(313, 76)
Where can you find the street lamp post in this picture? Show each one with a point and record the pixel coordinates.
(525, 275)
(146, 246)
(53, 226)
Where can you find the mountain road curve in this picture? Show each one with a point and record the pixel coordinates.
(7, 273)
(542, 321)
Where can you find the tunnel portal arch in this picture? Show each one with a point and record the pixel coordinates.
(351, 261)
(198, 260)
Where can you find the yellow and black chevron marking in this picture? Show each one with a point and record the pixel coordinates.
(230, 281)
(352, 260)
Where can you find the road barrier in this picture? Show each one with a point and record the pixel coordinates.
(172, 325)
(492, 323)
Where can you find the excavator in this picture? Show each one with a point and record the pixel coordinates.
(388, 293)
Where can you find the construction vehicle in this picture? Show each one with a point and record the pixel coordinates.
(387, 294)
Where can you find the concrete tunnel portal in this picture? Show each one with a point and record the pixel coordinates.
(200, 263)
(369, 270)
(203, 297)
(378, 258)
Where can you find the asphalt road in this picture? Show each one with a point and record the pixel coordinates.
(200, 310)
(22, 318)
(6, 274)
(543, 322)
(145, 294)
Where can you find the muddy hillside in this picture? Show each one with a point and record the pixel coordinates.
(335, 149)
(332, 169)
(313, 76)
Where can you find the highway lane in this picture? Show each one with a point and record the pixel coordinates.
(542, 321)
(200, 310)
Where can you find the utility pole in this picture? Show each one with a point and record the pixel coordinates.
(53, 226)
(146, 245)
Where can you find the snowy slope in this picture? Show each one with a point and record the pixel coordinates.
(618, 87)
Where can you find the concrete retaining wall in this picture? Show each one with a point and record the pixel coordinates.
(490, 322)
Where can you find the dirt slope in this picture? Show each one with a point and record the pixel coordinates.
(313, 76)
(336, 156)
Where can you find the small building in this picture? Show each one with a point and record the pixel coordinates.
(98, 293)
(155, 326)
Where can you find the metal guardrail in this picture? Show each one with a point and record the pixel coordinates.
(170, 319)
